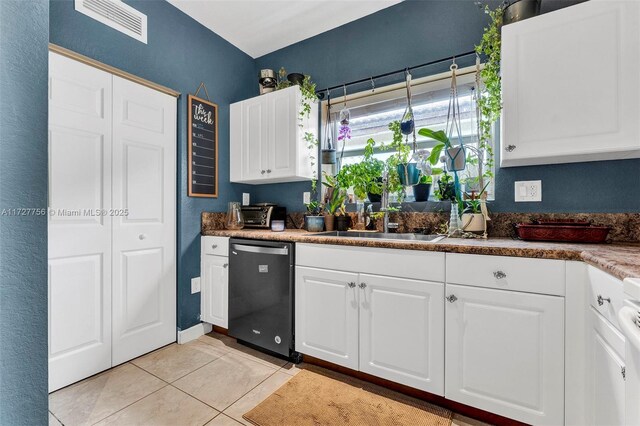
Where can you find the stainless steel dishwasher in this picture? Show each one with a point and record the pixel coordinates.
(261, 295)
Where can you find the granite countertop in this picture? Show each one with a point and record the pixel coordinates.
(620, 260)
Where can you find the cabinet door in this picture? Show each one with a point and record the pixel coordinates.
(505, 353)
(570, 85)
(402, 331)
(144, 221)
(215, 289)
(79, 245)
(254, 140)
(326, 320)
(282, 146)
(606, 394)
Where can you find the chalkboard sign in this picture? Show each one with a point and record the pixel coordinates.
(203, 148)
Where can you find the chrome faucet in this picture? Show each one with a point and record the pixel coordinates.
(384, 202)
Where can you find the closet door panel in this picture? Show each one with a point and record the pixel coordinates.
(79, 243)
(144, 271)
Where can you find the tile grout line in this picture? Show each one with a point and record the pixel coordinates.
(55, 417)
(129, 405)
(193, 397)
(267, 378)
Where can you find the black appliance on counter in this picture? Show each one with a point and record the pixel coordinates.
(261, 215)
(261, 295)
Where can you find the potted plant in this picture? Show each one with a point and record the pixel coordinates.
(343, 221)
(422, 190)
(334, 201)
(408, 172)
(313, 219)
(473, 219)
(364, 177)
(455, 157)
(446, 190)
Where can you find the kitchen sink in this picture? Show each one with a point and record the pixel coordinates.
(383, 236)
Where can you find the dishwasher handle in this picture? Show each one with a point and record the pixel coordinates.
(281, 251)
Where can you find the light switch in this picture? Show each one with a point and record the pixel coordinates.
(528, 191)
(195, 285)
(245, 198)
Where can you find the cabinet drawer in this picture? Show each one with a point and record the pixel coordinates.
(218, 246)
(416, 264)
(543, 276)
(606, 294)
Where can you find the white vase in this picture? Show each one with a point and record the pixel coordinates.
(472, 222)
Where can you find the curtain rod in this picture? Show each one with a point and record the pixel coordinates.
(321, 93)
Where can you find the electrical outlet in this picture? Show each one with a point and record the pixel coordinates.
(528, 191)
(306, 197)
(245, 198)
(195, 285)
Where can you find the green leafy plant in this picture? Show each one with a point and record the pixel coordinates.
(472, 203)
(314, 208)
(364, 176)
(446, 190)
(402, 149)
(337, 196)
(442, 142)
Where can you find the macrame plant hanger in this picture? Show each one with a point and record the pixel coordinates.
(455, 158)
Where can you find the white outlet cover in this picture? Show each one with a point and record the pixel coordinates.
(528, 191)
(306, 197)
(195, 285)
(245, 198)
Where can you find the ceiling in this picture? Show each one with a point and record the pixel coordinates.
(258, 27)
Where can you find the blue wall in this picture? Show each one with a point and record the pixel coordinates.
(180, 54)
(24, 32)
(415, 32)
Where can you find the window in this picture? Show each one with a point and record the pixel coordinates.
(370, 115)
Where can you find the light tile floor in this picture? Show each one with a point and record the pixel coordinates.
(213, 380)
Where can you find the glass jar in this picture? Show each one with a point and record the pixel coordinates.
(234, 216)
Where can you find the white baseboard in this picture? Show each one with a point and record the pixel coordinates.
(194, 332)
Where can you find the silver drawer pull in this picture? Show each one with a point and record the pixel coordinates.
(510, 148)
(142, 236)
(214, 246)
(623, 371)
(351, 284)
(226, 265)
(452, 298)
(268, 170)
(499, 275)
(362, 285)
(262, 172)
(601, 300)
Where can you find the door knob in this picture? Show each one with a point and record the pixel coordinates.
(262, 172)
(214, 246)
(601, 300)
(452, 298)
(499, 275)
(225, 265)
(510, 148)
(268, 170)
(142, 236)
(351, 284)
(362, 285)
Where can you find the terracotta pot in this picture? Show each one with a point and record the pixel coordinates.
(329, 222)
(472, 222)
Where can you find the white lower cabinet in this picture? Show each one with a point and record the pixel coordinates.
(326, 322)
(385, 326)
(214, 279)
(505, 353)
(401, 331)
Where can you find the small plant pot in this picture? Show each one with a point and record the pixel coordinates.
(374, 198)
(409, 174)
(455, 159)
(472, 222)
(296, 78)
(314, 223)
(328, 156)
(329, 222)
(421, 191)
(343, 223)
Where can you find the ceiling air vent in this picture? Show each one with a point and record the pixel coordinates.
(117, 15)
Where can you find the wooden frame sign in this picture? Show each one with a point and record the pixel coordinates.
(203, 148)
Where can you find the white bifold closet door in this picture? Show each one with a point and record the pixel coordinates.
(112, 277)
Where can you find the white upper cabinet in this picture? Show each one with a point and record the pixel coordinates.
(570, 85)
(268, 138)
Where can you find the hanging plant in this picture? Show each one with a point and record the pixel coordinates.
(489, 95)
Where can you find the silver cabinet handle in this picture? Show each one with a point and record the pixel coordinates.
(601, 300)
(214, 246)
(623, 371)
(263, 172)
(510, 148)
(351, 284)
(226, 265)
(452, 298)
(142, 236)
(362, 285)
(499, 275)
(268, 170)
